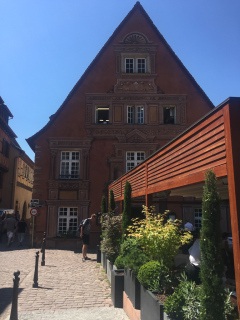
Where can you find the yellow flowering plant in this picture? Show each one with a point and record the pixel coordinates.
(160, 238)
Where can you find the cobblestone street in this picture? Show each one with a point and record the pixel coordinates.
(67, 287)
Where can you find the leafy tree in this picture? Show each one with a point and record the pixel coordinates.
(126, 216)
(213, 295)
(112, 204)
(103, 205)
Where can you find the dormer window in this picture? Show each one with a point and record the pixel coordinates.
(135, 65)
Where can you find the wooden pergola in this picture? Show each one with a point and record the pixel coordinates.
(211, 143)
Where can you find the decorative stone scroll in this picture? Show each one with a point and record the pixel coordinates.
(135, 86)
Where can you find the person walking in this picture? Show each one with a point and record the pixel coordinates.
(21, 228)
(11, 224)
(84, 234)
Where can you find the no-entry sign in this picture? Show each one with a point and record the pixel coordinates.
(34, 212)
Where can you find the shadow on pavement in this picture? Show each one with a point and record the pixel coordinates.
(6, 298)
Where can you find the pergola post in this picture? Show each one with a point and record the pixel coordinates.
(232, 118)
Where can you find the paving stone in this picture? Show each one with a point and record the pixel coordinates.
(68, 288)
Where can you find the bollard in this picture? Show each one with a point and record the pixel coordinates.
(14, 310)
(98, 254)
(35, 278)
(43, 252)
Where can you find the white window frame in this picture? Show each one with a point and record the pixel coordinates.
(197, 218)
(172, 114)
(72, 170)
(133, 158)
(101, 108)
(130, 114)
(67, 220)
(135, 114)
(140, 114)
(134, 61)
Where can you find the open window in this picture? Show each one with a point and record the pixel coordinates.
(169, 115)
(102, 115)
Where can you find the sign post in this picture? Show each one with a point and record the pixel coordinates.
(34, 213)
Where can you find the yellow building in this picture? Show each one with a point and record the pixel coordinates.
(16, 169)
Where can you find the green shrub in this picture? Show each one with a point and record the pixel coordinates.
(159, 240)
(126, 216)
(103, 205)
(119, 262)
(184, 303)
(112, 204)
(154, 276)
(133, 255)
(211, 271)
(112, 236)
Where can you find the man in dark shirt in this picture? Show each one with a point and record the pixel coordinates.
(84, 234)
(21, 228)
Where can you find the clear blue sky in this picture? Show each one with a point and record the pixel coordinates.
(47, 45)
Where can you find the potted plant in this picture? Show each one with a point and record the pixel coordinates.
(117, 282)
(133, 258)
(110, 243)
(154, 279)
(155, 239)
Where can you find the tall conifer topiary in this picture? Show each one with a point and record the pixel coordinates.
(126, 216)
(112, 204)
(103, 205)
(211, 270)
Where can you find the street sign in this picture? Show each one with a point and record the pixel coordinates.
(34, 212)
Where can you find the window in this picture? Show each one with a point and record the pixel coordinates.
(102, 115)
(133, 158)
(135, 65)
(198, 218)
(5, 148)
(140, 115)
(69, 168)
(169, 115)
(139, 118)
(67, 220)
(129, 65)
(19, 167)
(130, 114)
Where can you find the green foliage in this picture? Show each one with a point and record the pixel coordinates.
(211, 271)
(154, 276)
(103, 205)
(111, 241)
(119, 262)
(133, 255)
(184, 303)
(158, 239)
(126, 216)
(112, 204)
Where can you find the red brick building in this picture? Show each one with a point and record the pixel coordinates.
(135, 96)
